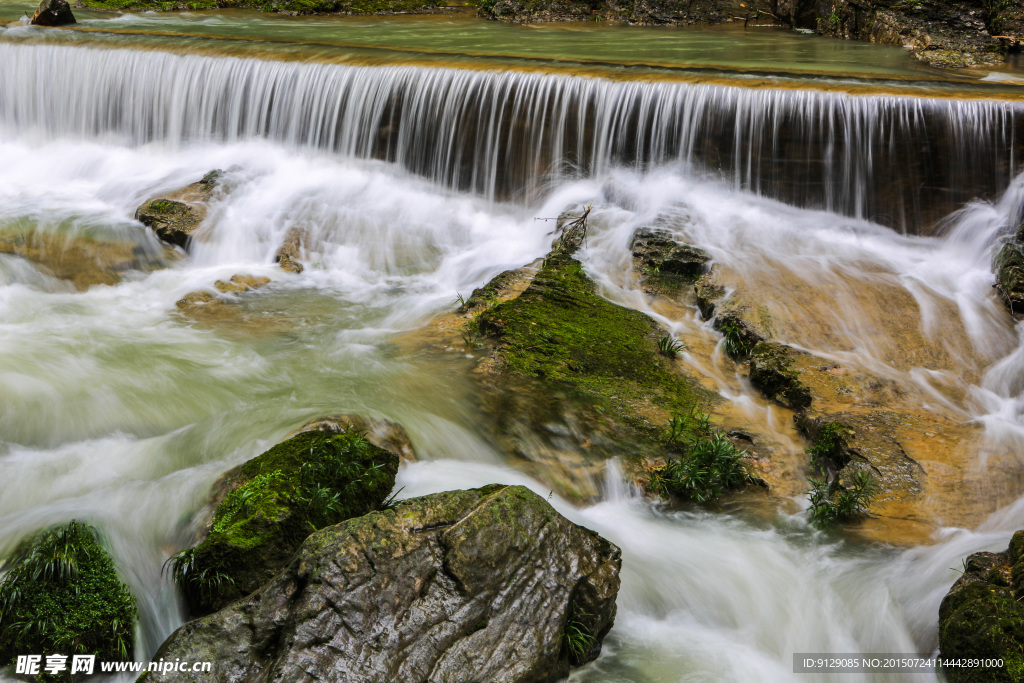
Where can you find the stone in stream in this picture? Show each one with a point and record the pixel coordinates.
(665, 263)
(53, 13)
(571, 378)
(176, 216)
(1009, 268)
(982, 617)
(270, 504)
(60, 594)
(489, 584)
(82, 260)
(290, 251)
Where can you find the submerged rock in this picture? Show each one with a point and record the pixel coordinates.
(60, 595)
(982, 616)
(241, 283)
(270, 504)
(291, 250)
(53, 13)
(176, 216)
(489, 584)
(81, 260)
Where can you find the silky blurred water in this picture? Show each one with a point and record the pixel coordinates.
(116, 410)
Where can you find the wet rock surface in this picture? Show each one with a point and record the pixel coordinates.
(53, 13)
(176, 216)
(463, 585)
(982, 616)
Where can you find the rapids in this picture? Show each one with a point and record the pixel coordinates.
(421, 183)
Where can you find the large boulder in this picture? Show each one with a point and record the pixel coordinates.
(269, 505)
(53, 13)
(176, 216)
(489, 584)
(982, 616)
(61, 595)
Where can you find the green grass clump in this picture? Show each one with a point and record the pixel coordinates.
(832, 503)
(61, 595)
(313, 480)
(577, 637)
(737, 341)
(829, 446)
(670, 347)
(708, 466)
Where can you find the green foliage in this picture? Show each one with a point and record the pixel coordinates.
(828, 445)
(832, 503)
(471, 335)
(61, 595)
(737, 342)
(205, 582)
(577, 636)
(709, 466)
(670, 347)
(688, 426)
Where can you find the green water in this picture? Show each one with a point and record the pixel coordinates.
(727, 50)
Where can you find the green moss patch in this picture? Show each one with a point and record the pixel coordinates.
(61, 595)
(981, 621)
(560, 330)
(313, 480)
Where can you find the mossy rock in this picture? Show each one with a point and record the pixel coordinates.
(982, 619)
(61, 595)
(772, 373)
(665, 264)
(312, 480)
(561, 331)
(1009, 267)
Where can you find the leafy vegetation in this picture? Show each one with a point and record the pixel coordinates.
(670, 347)
(828, 446)
(832, 503)
(61, 595)
(705, 463)
(737, 342)
(577, 637)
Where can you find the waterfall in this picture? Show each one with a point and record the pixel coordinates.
(900, 161)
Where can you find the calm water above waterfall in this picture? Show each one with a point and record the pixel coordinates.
(421, 176)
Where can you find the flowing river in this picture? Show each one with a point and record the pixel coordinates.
(419, 153)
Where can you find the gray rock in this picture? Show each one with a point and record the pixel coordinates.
(478, 585)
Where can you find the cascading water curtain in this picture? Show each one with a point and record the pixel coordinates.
(902, 161)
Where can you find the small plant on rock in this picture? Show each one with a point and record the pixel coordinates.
(670, 347)
(736, 342)
(832, 503)
(708, 467)
(577, 637)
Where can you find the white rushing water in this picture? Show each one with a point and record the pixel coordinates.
(116, 411)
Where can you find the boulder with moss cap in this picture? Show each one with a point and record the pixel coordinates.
(273, 502)
(490, 584)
